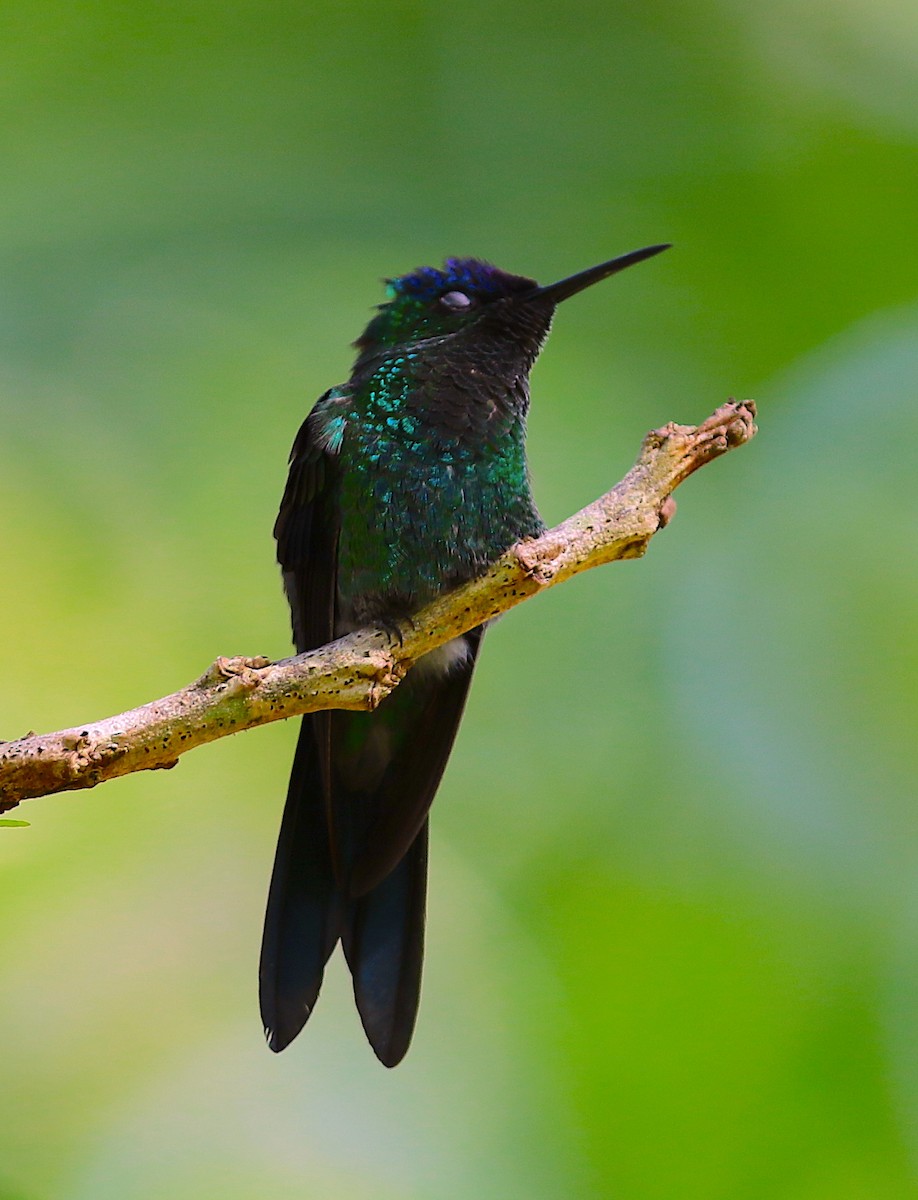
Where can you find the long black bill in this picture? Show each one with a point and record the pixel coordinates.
(556, 292)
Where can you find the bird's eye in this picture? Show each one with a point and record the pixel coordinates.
(456, 301)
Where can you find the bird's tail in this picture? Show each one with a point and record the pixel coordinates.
(304, 916)
(351, 861)
(308, 911)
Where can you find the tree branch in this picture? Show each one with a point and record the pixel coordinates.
(358, 671)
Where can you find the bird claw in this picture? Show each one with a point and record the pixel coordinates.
(393, 629)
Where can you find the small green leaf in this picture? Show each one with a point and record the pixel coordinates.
(15, 824)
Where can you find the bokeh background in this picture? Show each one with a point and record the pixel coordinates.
(673, 937)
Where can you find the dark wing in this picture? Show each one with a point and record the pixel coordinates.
(304, 913)
(422, 740)
(306, 530)
(384, 936)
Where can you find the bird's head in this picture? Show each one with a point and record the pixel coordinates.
(467, 297)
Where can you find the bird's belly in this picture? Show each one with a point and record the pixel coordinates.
(444, 659)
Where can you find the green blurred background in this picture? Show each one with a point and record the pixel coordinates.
(673, 942)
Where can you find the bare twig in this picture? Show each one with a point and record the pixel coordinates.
(360, 670)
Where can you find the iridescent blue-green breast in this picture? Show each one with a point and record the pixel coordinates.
(432, 488)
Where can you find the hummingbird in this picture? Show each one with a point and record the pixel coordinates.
(403, 482)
